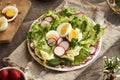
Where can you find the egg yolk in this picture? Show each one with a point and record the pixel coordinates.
(73, 34)
(9, 13)
(64, 29)
(1, 23)
(52, 36)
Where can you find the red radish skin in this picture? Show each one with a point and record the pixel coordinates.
(51, 42)
(96, 47)
(15, 74)
(4, 74)
(59, 51)
(80, 13)
(59, 40)
(88, 59)
(64, 44)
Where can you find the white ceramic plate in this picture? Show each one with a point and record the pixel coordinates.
(92, 58)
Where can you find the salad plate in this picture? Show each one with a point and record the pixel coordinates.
(65, 40)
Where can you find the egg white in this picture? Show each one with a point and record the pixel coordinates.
(60, 27)
(5, 24)
(11, 7)
(53, 32)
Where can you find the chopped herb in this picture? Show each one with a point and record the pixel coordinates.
(97, 29)
(73, 43)
(68, 11)
(83, 26)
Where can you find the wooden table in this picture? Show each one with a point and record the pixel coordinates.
(36, 10)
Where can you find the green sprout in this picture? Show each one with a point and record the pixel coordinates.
(111, 68)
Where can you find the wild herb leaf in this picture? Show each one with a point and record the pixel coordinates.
(57, 61)
(54, 62)
(83, 26)
(83, 54)
(75, 22)
(68, 11)
(73, 43)
(97, 29)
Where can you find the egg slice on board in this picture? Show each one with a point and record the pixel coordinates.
(74, 33)
(10, 12)
(3, 23)
(52, 34)
(64, 28)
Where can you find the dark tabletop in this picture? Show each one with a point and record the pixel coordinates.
(37, 9)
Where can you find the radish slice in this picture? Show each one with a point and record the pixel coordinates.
(59, 50)
(43, 23)
(92, 50)
(49, 19)
(31, 46)
(59, 40)
(64, 44)
(51, 41)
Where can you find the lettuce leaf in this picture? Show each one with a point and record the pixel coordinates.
(83, 54)
(58, 61)
(67, 11)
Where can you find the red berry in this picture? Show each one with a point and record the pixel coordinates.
(15, 74)
(4, 74)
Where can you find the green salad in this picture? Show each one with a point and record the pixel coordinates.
(64, 38)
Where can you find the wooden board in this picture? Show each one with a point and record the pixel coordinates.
(23, 7)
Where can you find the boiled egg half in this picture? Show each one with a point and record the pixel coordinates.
(10, 12)
(63, 29)
(52, 34)
(3, 23)
(74, 33)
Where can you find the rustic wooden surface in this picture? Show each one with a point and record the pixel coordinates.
(23, 7)
(37, 9)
